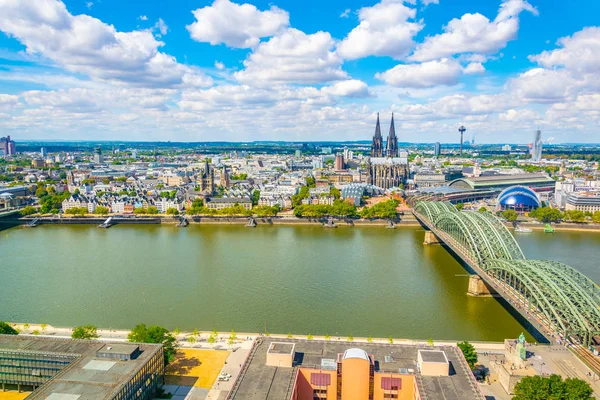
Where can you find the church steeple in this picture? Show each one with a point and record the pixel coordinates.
(392, 141)
(377, 145)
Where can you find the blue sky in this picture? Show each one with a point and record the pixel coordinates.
(290, 70)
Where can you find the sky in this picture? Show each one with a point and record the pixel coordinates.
(310, 70)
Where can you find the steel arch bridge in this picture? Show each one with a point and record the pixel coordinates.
(551, 292)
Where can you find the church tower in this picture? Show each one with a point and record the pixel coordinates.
(392, 141)
(377, 146)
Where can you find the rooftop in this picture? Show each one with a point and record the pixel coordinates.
(262, 382)
(86, 376)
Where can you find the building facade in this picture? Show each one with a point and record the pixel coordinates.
(7, 146)
(583, 201)
(536, 147)
(206, 179)
(385, 168)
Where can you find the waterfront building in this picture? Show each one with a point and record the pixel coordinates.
(583, 201)
(218, 203)
(7, 146)
(337, 370)
(536, 147)
(81, 369)
(75, 201)
(386, 168)
(518, 198)
(163, 204)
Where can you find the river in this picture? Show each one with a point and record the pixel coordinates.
(356, 281)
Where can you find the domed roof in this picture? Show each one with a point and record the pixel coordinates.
(519, 196)
(355, 353)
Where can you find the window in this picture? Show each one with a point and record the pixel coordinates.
(319, 394)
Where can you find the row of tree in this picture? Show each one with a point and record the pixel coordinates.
(548, 214)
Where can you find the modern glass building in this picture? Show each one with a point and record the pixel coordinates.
(518, 198)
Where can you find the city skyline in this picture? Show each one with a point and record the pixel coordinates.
(285, 72)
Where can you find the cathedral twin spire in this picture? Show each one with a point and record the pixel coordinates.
(377, 149)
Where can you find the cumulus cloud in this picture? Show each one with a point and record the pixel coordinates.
(385, 29)
(474, 68)
(519, 115)
(84, 44)
(542, 86)
(161, 27)
(427, 74)
(580, 52)
(428, 2)
(8, 99)
(293, 57)
(349, 88)
(143, 18)
(219, 65)
(475, 33)
(236, 25)
(346, 13)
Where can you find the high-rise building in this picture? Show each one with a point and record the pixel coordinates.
(536, 148)
(392, 141)
(377, 145)
(437, 149)
(7, 146)
(98, 159)
(43, 152)
(298, 153)
(339, 162)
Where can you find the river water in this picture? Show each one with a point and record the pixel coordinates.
(356, 281)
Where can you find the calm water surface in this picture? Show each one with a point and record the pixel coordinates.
(360, 281)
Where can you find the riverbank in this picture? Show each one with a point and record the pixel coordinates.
(407, 220)
(201, 339)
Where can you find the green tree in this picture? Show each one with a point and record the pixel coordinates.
(482, 209)
(85, 332)
(155, 334)
(546, 214)
(430, 342)
(172, 211)
(370, 339)
(255, 197)
(552, 388)
(152, 210)
(596, 217)
(28, 210)
(469, 352)
(510, 215)
(191, 339)
(391, 340)
(350, 338)
(6, 329)
(198, 203)
(265, 211)
(327, 337)
(62, 175)
(575, 215)
(80, 211)
(335, 192)
(309, 337)
(342, 208)
(460, 206)
(101, 210)
(310, 182)
(383, 210)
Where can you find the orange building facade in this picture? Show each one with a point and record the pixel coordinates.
(353, 379)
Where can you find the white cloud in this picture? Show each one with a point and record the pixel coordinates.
(8, 99)
(84, 44)
(143, 18)
(385, 29)
(580, 52)
(474, 68)
(293, 57)
(161, 26)
(542, 86)
(427, 74)
(89, 4)
(475, 33)
(346, 13)
(519, 115)
(219, 65)
(235, 25)
(428, 2)
(349, 88)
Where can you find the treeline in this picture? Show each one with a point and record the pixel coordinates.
(340, 208)
(548, 214)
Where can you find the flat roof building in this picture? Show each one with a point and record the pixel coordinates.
(353, 371)
(502, 181)
(81, 369)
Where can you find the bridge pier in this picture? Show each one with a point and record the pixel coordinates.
(478, 288)
(430, 238)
